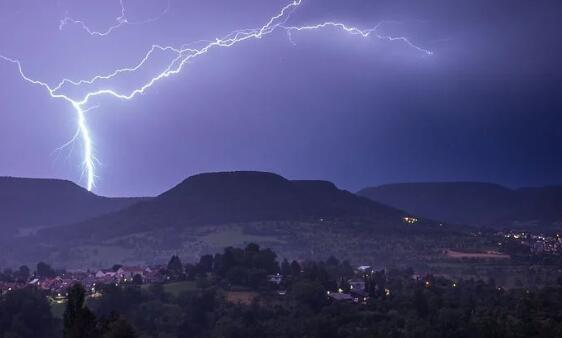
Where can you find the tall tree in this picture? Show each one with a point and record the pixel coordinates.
(174, 265)
(23, 273)
(285, 267)
(206, 263)
(79, 321)
(45, 270)
(295, 269)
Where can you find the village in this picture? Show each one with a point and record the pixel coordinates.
(537, 243)
(55, 285)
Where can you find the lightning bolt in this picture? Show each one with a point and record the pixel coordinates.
(89, 158)
(120, 21)
(181, 56)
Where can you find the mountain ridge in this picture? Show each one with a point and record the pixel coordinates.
(474, 203)
(38, 203)
(231, 197)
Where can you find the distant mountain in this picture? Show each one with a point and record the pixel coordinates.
(480, 204)
(231, 197)
(35, 203)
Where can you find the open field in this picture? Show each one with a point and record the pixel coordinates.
(176, 288)
(243, 297)
(481, 255)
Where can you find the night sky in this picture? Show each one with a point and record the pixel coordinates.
(486, 106)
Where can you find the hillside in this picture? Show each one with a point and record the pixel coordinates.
(480, 204)
(231, 197)
(35, 203)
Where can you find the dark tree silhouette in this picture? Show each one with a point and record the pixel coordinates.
(23, 273)
(45, 270)
(137, 279)
(285, 267)
(175, 264)
(295, 269)
(116, 327)
(79, 321)
(26, 313)
(206, 263)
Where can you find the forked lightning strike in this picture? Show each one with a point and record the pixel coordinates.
(182, 56)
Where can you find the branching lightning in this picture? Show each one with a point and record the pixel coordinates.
(120, 21)
(182, 56)
(89, 158)
(356, 31)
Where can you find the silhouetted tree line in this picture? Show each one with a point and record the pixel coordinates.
(24, 273)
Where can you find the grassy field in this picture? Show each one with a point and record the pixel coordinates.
(179, 287)
(484, 255)
(243, 297)
(176, 288)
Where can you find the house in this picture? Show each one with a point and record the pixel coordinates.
(359, 296)
(89, 282)
(364, 269)
(275, 279)
(104, 273)
(154, 277)
(357, 284)
(50, 283)
(340, 297)
(127, 273)
(106, 280)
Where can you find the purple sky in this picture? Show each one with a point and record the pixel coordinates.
(486, 106)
